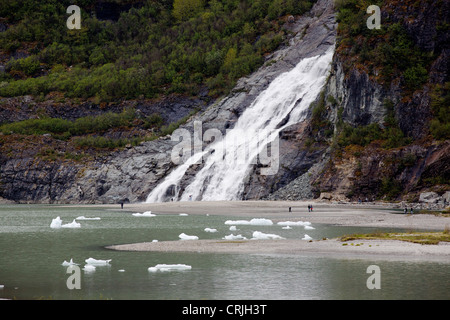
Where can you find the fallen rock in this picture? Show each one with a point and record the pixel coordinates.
(429, 197)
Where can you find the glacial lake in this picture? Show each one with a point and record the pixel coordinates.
(32, 253)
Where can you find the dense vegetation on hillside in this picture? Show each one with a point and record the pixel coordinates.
(154, 47)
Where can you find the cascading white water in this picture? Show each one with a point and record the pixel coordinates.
(222, 176)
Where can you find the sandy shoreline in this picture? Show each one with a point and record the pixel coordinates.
(367, 215)
(335, 214)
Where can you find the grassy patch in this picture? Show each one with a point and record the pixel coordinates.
(445, 212)
(415, 237)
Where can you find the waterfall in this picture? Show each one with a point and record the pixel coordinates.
(283, 103)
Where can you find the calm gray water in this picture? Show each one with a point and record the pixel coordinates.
(31, 254)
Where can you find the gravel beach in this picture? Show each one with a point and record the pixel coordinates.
(368, 215)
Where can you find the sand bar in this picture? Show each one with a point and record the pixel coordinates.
(331, 247)
(371, 215)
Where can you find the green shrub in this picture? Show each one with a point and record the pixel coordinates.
(415, 77)
(390, 188)
(64, 129)
(440, 106)
(29, 66)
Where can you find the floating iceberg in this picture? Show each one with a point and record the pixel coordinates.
(73, 224)
(89, 268)
(169, 267)
(70, 263)
(265, 236)
(309, 228)
(56, 223)
(183, 214)
(306, 237)
(233, 228)
(144, 214)
(287, 227)
(292, 223)
(184, 236)
(253, 222)
(233, 237)
(121, 270)
(84, 218)
(210, 230)
(95, 262)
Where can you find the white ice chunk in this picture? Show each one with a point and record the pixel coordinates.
(184, 236)
(183, 214)
(121, 270)
(233, 228)
(306, 237)
(253, 222)
(233, 237)
(73, 224)
(294, 223)
(89, 268)
(309, 228)
(170, 267)
(287, 228)
(265, 236)
(85, 218)
(56, 223)
(96, 262)
(70, 263)
(144, 214)
(210, 230)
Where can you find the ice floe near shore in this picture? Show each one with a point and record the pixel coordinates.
(89, 268)
(97, 262)
(306, 237)
(70, 263)
(252, 222)
(294, 223)
(265, 236)
(212, 230)
(73, 224)
(184, 236)
(57, 224)
(233, 237)
(85, 218)
(169, 267)
(144, 214)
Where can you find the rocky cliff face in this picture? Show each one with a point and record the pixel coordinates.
(357, 99)
(310, 165)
